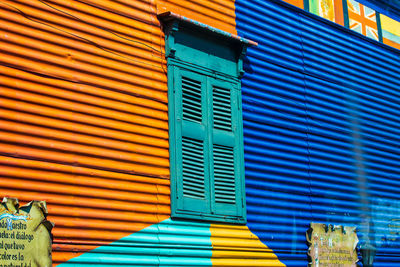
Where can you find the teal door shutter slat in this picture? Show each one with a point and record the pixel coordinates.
(227, 168)
(193, 191)
(222, 108)
(191, 99)
(224, 173)
(193, 168)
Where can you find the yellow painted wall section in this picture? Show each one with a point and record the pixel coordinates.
(238, 246)
(84, 117)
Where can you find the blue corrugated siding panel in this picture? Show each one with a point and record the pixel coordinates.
(321, 124)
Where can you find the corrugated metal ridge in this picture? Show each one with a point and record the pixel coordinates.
(167, 16)
(132, 10)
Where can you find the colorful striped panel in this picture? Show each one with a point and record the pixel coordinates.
(362, 19)
(182, 243)
(390, 31)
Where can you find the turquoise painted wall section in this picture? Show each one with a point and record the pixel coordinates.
(169, 243)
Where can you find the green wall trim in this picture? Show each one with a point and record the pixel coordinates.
(346, 14)
(379, 26)
(306, 5)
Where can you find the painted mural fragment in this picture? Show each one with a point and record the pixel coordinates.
(390, 31)
(332, 246)
(362, 19)
(328, 9)
(25, 234)
(323, 8)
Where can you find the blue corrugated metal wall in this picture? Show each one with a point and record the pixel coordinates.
(321, 125)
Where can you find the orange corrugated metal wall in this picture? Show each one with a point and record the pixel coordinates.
(83, 112)
(218, 14)
(84, 121)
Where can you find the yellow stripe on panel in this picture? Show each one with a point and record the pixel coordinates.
(390, 31)
(238, 246)
(390, 25)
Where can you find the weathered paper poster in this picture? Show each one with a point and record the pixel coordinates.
(332, 246)
(25, 234)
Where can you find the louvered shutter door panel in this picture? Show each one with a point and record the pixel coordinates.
(191, 100)
(192, 168)
(226, 167)
(224, 173)
(222, 108)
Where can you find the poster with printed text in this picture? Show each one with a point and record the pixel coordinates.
(332, 246)
(25, 234)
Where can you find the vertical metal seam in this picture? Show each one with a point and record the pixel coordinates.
(307, 117)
